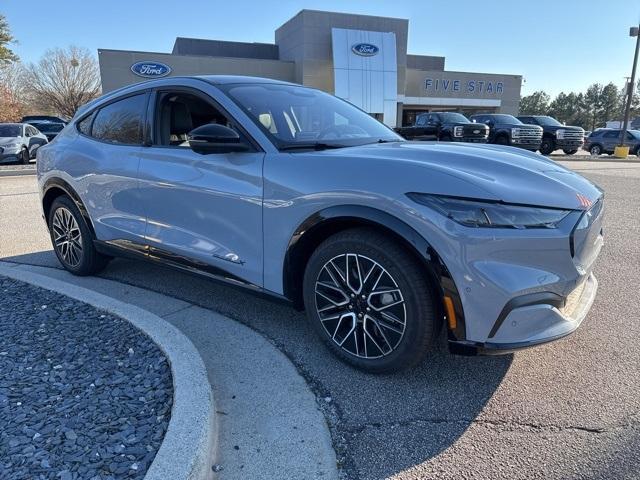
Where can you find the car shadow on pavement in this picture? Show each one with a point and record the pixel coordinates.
(381, 425)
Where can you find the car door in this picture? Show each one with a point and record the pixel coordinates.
(103, 165)
(610, 139)
(203, 211)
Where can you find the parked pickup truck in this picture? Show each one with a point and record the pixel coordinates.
(508, 130)
(445, 126)
(555, 135)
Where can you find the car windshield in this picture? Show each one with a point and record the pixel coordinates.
(635, 133)
(452, 117)
(502, 118)
(9, 130)
(548, 121)
(299, 117)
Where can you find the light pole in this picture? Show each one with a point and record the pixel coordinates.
(633, 32)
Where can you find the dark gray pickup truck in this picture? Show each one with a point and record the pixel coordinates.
(555, 135)
(446, 127)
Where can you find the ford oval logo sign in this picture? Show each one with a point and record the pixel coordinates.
(150, 69)
(365, 49)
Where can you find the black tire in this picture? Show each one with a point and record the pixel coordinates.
(570, 152)
(24, 156)
(547, 146)
(595, 149)
(502, 140)
(89, 260)
(411, 296)
(446, 138)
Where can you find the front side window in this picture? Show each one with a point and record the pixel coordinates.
(178, 113)
(453, 117)
(612, 134)
(547, 121)
(121, 121)
(300, 116)
(502, 118)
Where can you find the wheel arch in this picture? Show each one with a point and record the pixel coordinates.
(329, 221)
(55, 187)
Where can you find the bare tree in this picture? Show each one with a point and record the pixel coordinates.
(64, 79)
(13, 94)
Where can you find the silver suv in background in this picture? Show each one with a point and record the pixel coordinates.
(19, 142)
(293, 193)
(604, 140)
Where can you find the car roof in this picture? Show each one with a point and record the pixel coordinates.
(212, 79)
(234, 79)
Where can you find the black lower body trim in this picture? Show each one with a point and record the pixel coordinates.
(133, 250)
(488, 348)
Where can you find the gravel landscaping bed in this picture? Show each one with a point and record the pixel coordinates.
(83, 394)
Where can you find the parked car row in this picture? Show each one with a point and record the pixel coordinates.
(20, 141)
(532, 132)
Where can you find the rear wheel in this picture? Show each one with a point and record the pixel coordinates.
(595, 150)
(547, 146)
(570, 152)
(370, 301)
(72, 240)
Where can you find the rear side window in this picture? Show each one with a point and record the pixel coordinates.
(121, 121)
(84, 125)
(612, 134)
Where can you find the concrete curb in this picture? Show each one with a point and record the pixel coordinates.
(189, 446)
(15, 172)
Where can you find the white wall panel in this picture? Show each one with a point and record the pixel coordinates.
(369, 82)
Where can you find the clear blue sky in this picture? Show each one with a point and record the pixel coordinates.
(556, 44)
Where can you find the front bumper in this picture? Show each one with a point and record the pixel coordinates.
(569, 144)
(528, 144)
(539, 320)
(470, 139)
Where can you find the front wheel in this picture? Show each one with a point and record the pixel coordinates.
(570, 152)
(547, 146)
(595, 150)
(24, 156)
(502, 140)
(370, 301)
(72, 240)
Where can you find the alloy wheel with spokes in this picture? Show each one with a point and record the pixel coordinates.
(67, 237)
(360, 305)
(370, 300)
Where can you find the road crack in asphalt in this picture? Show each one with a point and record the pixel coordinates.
(504, 424)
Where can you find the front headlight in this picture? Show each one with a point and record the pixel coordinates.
(457, 131)
(479, 213)
(560, 134)
(515, 132)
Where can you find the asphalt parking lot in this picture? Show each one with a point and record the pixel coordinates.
(565, 410)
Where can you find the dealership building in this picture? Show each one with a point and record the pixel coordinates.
(360, 58)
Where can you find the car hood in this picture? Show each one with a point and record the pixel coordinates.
(489, 172)
(5, 140)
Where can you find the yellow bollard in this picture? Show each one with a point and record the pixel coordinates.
(621, 151)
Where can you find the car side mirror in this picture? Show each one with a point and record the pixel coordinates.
(214, 138)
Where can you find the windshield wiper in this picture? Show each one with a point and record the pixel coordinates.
(382, 140)
(310, 146)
